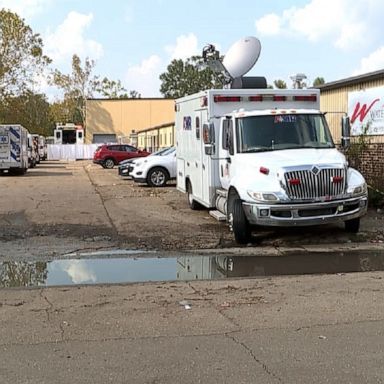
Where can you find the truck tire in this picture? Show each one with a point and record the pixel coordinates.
(194, 205)
(239, 223)
(109, 163)
(352, 226)
(157, 177)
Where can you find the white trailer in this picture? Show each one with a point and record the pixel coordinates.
(264, 157)
(13, 149)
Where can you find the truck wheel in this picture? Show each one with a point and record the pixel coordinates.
(157, 177)
(194, 205)
(109, 163)
(239, 223)
(352, 226)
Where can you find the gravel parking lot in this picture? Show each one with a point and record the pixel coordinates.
(64, 207)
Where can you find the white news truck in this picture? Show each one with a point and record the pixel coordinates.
(13, 149)
(265, 157)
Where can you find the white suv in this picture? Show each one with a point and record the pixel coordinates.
(155, 170)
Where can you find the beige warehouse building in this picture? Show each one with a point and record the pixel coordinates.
(335, 99)
(114, 120)
(362, 98)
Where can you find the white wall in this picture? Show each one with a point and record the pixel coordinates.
(71, 151)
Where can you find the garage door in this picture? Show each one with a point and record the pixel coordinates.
(101, 138)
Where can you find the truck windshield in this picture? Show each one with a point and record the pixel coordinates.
(285, 131)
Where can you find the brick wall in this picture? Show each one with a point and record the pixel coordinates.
(368, 158)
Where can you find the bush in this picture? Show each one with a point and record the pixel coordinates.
(375, 198)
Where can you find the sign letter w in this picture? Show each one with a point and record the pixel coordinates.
(362, 112)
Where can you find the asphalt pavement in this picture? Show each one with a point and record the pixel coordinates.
(292, 329)
(312, 328)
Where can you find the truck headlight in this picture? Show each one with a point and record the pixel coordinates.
(263, 196)
(358, 190)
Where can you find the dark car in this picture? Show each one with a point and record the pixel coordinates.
(108, 155)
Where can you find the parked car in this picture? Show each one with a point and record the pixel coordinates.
(109, 155)
(126, 166)
(155, 170)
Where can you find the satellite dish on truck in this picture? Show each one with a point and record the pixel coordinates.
(239, 60)
(242, 56)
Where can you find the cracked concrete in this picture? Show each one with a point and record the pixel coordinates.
(297, 329)
(292, 329)
(258, 361)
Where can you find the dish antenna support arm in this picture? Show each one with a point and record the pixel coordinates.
(211, 59)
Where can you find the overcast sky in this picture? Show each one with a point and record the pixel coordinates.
(134, 41)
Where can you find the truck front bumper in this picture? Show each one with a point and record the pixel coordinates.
(305, 214)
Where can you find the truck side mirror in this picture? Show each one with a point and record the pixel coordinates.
(345, 132)
(209, 149)
(209, 138)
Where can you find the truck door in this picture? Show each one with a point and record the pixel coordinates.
(195, 158)
(205, 161)
(4, 145)
(79, 136)
(226, 150)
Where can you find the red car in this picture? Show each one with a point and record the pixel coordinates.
(109, 155)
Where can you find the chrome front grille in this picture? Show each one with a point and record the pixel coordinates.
(315, 183)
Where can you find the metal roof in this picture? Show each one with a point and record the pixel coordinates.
(165, 125)
(371, 76)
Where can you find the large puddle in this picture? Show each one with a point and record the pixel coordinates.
(125, 270)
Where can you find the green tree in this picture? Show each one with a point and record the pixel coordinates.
(81, 85)
(21, 55)
(318, 81)
(77, 86)
(64, 111)
(111, 89)
(280, 84)
(30, 110)
(134, 94)
(184, 78)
